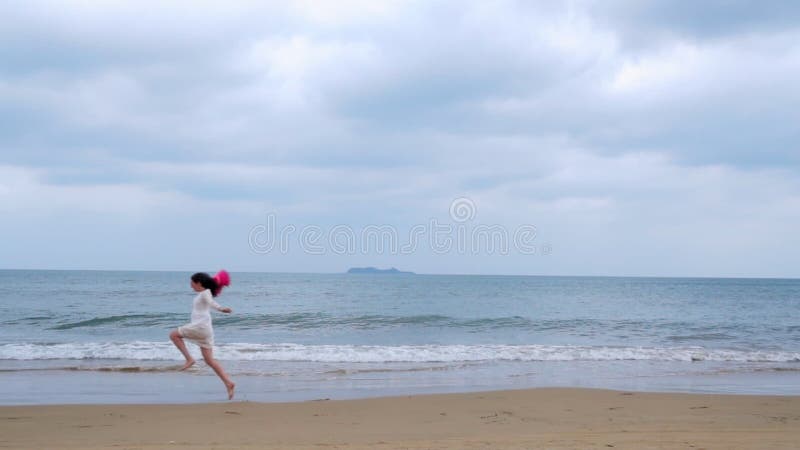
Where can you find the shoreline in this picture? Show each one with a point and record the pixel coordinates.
(557, 418)
(134, 382)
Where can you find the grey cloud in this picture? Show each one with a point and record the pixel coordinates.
(648, 23)
(438, 69)
(736, 121)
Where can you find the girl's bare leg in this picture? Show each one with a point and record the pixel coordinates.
(208, 356)
(177, 339)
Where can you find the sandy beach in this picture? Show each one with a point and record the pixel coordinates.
(536, 418)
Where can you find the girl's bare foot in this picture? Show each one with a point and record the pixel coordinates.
(189, 363)
(230, 387)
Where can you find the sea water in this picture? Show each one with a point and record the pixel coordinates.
(100, 337)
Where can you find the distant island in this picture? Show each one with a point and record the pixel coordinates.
(372, 270)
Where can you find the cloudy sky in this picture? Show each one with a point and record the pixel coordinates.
(504, 137)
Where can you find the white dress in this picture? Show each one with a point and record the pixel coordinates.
(200, 330)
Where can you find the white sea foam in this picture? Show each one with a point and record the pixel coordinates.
(380, 354)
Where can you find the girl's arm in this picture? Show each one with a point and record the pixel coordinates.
(216, 305)
(221, 308)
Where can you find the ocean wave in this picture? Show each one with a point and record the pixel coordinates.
(290, 352)
(117, 369)
(312, 320)
(364, 322)
(701, 337)
(301, 321)
(125, 320)
(677, 332)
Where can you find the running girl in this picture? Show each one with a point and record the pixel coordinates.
(199, 330)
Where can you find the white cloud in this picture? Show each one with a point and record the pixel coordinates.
(290, 70)
(27, 194)
(347, 12)
(655, 73)
(710, 69)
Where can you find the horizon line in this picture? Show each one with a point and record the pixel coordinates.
(414, 273)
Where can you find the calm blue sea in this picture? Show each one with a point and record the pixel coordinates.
(100, 337)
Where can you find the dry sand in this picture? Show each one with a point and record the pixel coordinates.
(537, 418)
